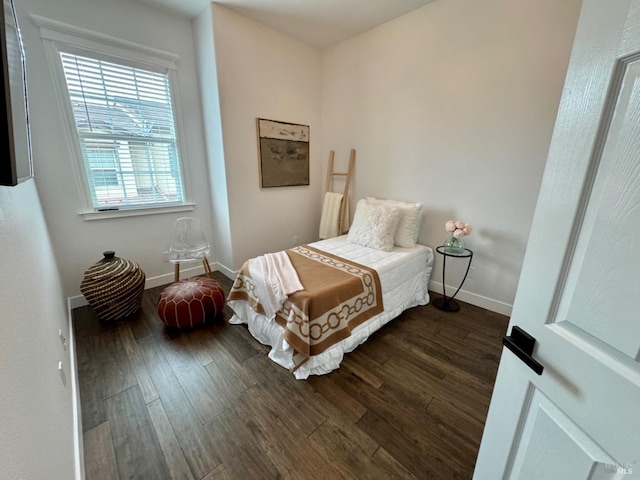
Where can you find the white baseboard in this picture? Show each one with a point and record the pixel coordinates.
(77, 301)
(78, 450)
(164, 279)
(227, 272)
(475, 299)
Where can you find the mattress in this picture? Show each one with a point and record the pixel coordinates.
(404, 277)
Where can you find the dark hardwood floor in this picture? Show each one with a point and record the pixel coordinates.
(209, 404)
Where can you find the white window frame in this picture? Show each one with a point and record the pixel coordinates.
(57, 37)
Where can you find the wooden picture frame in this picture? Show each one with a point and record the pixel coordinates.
(283, 153)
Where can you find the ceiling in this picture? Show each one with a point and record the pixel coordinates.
(320, 23)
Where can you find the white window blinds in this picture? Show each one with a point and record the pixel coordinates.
(125, 125)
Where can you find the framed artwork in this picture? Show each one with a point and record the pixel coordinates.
(284, 153)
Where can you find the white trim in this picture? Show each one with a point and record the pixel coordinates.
(134, 212)
(78, 450)
(167, 278)
(179, 134)
(151, 282)
(77, 301)
(71, 35)
(227, 272)
(60, 89)
(474, 299)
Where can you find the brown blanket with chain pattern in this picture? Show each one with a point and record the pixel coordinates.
(338, 296)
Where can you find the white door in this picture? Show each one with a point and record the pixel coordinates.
(579, 291)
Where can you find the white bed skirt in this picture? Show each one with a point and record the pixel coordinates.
(404, 276)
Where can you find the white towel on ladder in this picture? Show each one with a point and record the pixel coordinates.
(331, 215)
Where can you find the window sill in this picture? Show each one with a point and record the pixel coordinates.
(134, 212)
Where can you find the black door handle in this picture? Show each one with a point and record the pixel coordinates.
(521, 343)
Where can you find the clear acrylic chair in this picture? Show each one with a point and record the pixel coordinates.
(188, 244)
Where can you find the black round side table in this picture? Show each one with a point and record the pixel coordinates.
(444, 303)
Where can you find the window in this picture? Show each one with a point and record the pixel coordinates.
(124, 121)
(119, 106)
(102, 162)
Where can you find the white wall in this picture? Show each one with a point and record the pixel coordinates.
(79, 243)
(453, 105)
(208, 78)
(264, 74)
(36, 418)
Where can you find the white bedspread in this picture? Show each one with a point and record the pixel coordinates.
(404, 276)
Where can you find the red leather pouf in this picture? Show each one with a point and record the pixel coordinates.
(190, 302)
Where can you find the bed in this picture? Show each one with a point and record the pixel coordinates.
(368, 285)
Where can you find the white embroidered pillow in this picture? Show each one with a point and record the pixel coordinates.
(374, 225)
(410, 220)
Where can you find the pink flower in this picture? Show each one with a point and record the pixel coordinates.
(458, 228)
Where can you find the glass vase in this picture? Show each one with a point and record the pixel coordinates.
(454, 245)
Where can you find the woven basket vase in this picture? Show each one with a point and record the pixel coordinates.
(113, 287)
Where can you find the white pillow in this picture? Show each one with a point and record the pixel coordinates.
(374, 225)
(410, 220)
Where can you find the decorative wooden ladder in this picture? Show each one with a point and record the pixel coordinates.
(347, 174)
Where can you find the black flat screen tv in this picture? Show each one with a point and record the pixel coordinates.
(15, 135)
